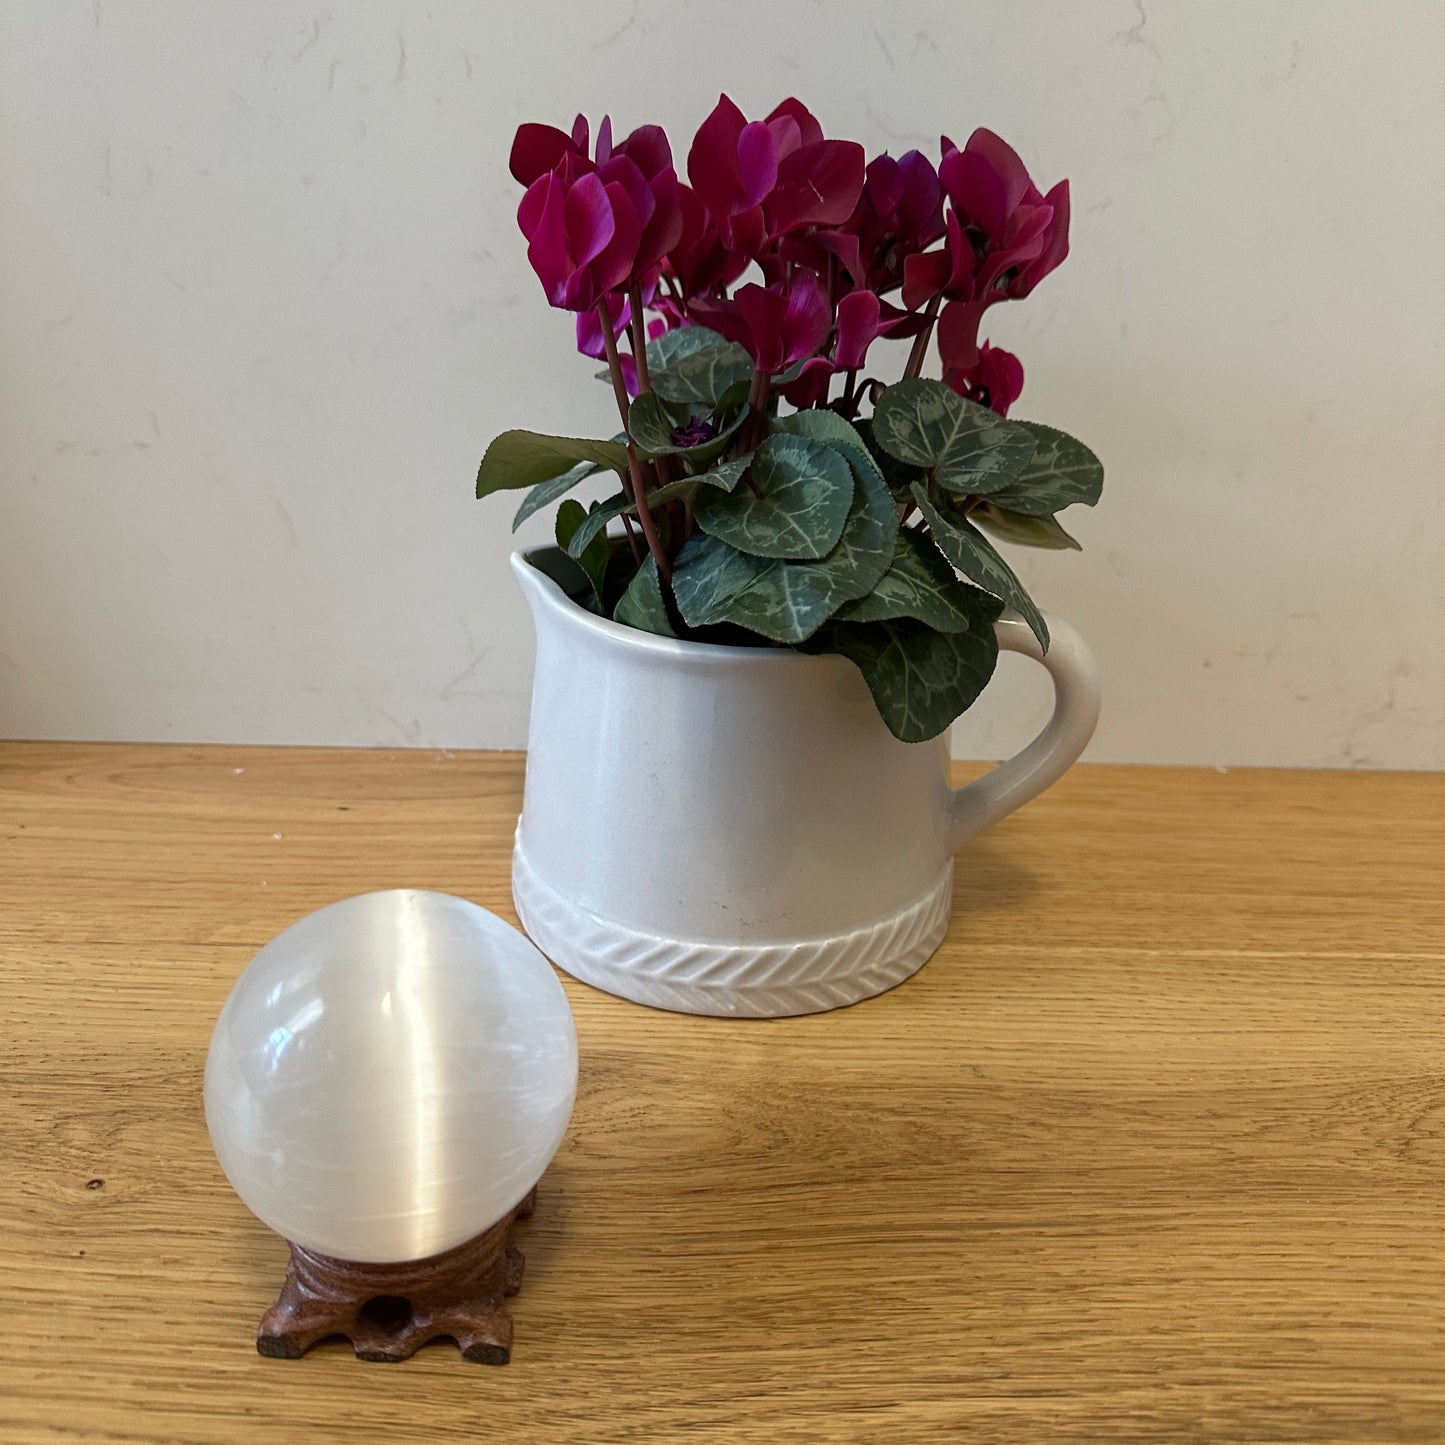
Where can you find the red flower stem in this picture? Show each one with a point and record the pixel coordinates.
(614, 361)
(637, 339)
(920, 342)
(634, 462)
(632, 539)
(637, 335)
(758, 405)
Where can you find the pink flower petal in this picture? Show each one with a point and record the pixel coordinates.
(762, 310)
(1005, 163)
(744, 233)
(530, 211)
(648, 149)
(806, 319)
(1057, 246)
(958, 333)
(547, 248)
(810, 387)
(757, 164)
(712, 162)
(924, 277)
(663, 229)
(613, 267)
(619, 170)
(858, 314)
(536, 149)
(893, 321)
(977, 191)
(1003, 375)
(995, 380)
(920, 206)
(722, 317)
(785, 133)
(814, 248)
(589, 326)
(818, 185)
(809, 131)
(883, 185)
(590, 224)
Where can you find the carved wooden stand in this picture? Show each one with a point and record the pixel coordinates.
(389, 1311)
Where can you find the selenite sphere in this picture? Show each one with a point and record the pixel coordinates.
(390, 1076)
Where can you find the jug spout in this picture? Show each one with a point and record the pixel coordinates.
(547, 578)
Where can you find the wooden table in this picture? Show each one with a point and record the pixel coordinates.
(1153, 1149)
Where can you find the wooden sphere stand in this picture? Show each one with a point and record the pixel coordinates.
(389, 1311)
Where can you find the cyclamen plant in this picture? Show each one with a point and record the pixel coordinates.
(760, 506)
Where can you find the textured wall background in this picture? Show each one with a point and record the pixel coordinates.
(262, 303)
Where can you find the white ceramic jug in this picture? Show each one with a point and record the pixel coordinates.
(733, 830)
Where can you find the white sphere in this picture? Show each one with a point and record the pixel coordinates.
(390, 1076)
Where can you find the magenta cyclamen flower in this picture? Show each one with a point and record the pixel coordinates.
(700, 262)
(1003, 237)
(858, 327)
(1026, 234)
(552, 163)
(995, 380)
(590, 340)
(899, 214)
(777, 325)
(762, 179)
(582, 235)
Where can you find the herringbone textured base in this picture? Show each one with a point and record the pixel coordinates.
(766, 980)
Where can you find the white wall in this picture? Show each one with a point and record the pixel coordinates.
(263, 302)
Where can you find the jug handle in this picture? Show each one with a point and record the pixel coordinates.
(1010, 785)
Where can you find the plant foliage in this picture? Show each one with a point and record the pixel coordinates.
(772, 487)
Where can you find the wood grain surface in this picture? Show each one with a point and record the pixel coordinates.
(1152, 1150)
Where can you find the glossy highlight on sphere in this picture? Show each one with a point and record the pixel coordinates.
(390, 1076)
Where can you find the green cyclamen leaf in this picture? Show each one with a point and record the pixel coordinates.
(789, 601)
(651, 426)
(650, 423)
(1061, 472)
(523, 458)
(642, 605)
(724, 477)
(899, 475)
(921, 680)
(969, 550)
(544, 493)
(693, 364)
(921, 585)
(820, 425)
(968, 448)
(1025, 530)
(807, 491)
(594, 523)
(594, 556)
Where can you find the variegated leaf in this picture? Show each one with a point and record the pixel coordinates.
(970, 551)
(1025, 530)
(921, 585)
(967, 447)
(1061, 472)
(789, 601)
(807, 490)
(642, 605)
(921, 680)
